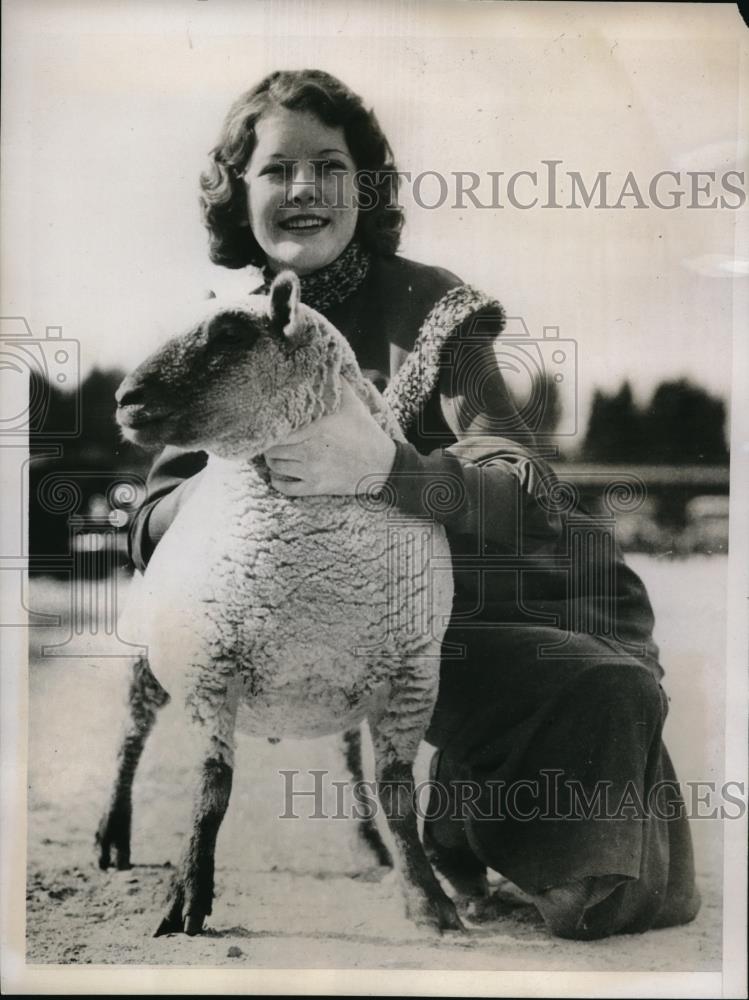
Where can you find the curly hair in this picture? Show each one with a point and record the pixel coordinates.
(223, 194)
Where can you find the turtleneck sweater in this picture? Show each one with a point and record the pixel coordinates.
(333, 283)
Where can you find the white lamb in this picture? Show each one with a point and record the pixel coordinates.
(283, 616)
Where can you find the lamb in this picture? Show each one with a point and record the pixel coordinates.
(296, 617)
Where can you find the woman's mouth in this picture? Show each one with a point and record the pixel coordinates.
(304, 224)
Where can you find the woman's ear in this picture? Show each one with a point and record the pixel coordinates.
(285, 314)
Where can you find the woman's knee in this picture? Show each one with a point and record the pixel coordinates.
(625, 686)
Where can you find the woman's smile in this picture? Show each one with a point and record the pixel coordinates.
(301, 195)
(305, 224)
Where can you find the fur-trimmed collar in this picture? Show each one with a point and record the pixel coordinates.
(418, 376)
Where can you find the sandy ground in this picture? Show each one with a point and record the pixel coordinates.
(303, 893)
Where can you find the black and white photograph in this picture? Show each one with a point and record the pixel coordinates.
(374, 439)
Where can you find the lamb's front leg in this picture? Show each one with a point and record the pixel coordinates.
(190, 898)
(146, 696)
(397, 734)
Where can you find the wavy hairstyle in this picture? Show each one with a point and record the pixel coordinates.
(223, 195)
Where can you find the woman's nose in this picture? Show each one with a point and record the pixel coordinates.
(304, 183)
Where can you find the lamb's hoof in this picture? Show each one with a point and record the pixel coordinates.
(175, 922)
(438, 914)
(191, 925)
(449, 919)
(167, 926)
(104, 843)
(194, 923)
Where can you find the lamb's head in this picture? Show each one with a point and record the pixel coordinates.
(240, 379)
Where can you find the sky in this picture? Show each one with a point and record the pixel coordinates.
(110, 109)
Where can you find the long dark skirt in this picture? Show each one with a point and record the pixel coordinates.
(562, 774)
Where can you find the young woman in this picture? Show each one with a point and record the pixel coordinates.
(550, 767)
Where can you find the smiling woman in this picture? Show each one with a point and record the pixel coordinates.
(300, 200)
(293, 141)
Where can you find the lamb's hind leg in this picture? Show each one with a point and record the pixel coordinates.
(397, 733)
(146, 696)
(366, 826)
(190, 898)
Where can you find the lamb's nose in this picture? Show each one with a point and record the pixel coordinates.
(129, 394)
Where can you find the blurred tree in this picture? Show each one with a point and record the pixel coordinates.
(685, 425)
(98, 407)
(89, 460)
(616, 431)
(101, 441)
(51, 410)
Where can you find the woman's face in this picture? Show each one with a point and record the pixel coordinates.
(300, 191)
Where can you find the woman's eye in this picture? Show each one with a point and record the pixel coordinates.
(285, 172)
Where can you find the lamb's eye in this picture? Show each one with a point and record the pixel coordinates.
(231, 331)
(229, 335)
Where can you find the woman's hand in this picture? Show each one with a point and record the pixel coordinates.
(333, 454)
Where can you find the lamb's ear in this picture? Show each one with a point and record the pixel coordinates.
(285, 314)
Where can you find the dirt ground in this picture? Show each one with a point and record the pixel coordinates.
(303, 893)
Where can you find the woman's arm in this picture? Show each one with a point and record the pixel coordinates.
(479, 490)
(173, 477)
(490, 483)
(490, 471)
(487, 485)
